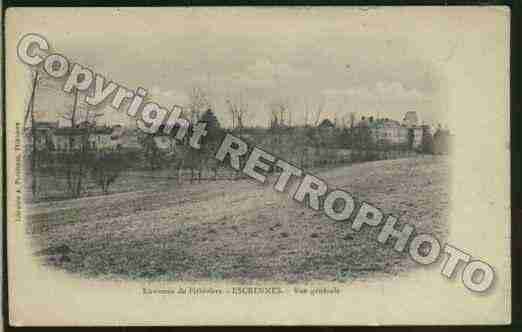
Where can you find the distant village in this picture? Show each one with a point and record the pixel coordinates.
(368, 133)
(87, 158)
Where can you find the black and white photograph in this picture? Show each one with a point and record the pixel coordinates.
(299, 157)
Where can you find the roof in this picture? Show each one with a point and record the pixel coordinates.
(442, 133)
(380, 123)
(82, 131)
(411, 114)
(326, 123)
(69, 131)
(45, 125)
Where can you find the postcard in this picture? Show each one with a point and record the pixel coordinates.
(258, 166)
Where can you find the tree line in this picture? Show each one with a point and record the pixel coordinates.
(310, 144)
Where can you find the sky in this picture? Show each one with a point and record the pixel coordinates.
(305, 57)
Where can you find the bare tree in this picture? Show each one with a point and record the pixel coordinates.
(233, 115)
(306, 113)
(319, 108)
(238, 109)
(352, 119)
(199, 102)
(78, 158)
(279, 111)
(181, 152)
(151, 152)
(70, 115)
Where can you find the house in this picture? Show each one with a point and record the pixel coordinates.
(326, 124)
(92, 138)
(50, 137)
(384, 131)
(388, 131)
(410, 119)
(68, 139)
(442, 140)
(100, 138)
(43, 135)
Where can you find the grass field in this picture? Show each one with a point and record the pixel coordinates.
(238, 229)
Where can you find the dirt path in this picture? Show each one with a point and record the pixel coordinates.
(240, 229)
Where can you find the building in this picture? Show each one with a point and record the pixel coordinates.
(100, 138)
(383, 131)
(442, 140)
(67, 139)
(94, 138)
(43, 135)
(386, 131)
(326, 124)
(410, 119)
(49, 136)
(416, 136)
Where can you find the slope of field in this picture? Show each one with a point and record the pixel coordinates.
(240, 229)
